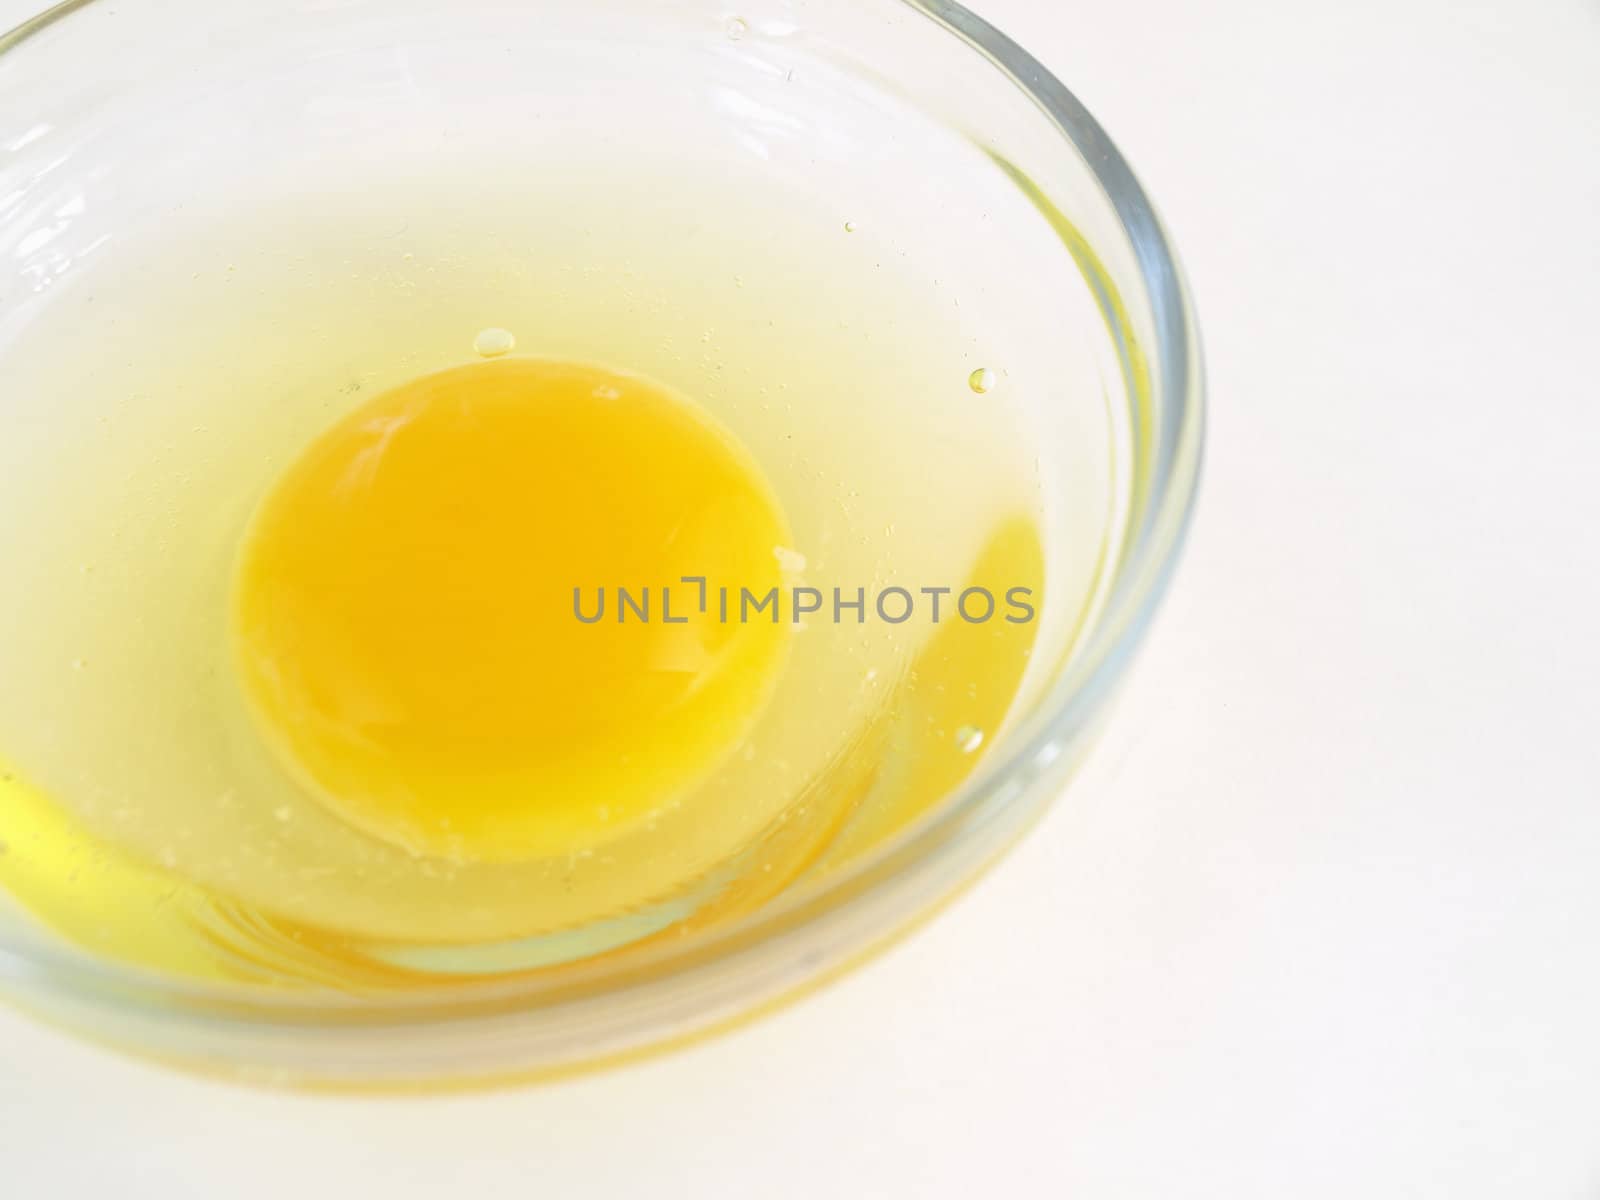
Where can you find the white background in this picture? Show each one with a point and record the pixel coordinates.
(1323, 917)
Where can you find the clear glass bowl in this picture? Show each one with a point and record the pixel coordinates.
(130, 102)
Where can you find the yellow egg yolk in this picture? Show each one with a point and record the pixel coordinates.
(405, 617)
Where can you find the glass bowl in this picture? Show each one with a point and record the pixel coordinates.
(108, 112)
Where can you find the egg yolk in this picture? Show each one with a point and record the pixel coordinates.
(405, 619)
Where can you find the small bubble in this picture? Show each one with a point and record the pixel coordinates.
(968, 738)
(849, 226)
(78, 664)
(492, 343)
(982, 380)
(737, 28)
(790, 562)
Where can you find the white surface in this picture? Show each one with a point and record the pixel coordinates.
(1323, 919)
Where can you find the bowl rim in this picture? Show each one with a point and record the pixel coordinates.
(1155, 534)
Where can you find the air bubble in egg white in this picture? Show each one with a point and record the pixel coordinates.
(492, 343)
(790, 562)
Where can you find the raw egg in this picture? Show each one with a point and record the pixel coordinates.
(406, 608)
